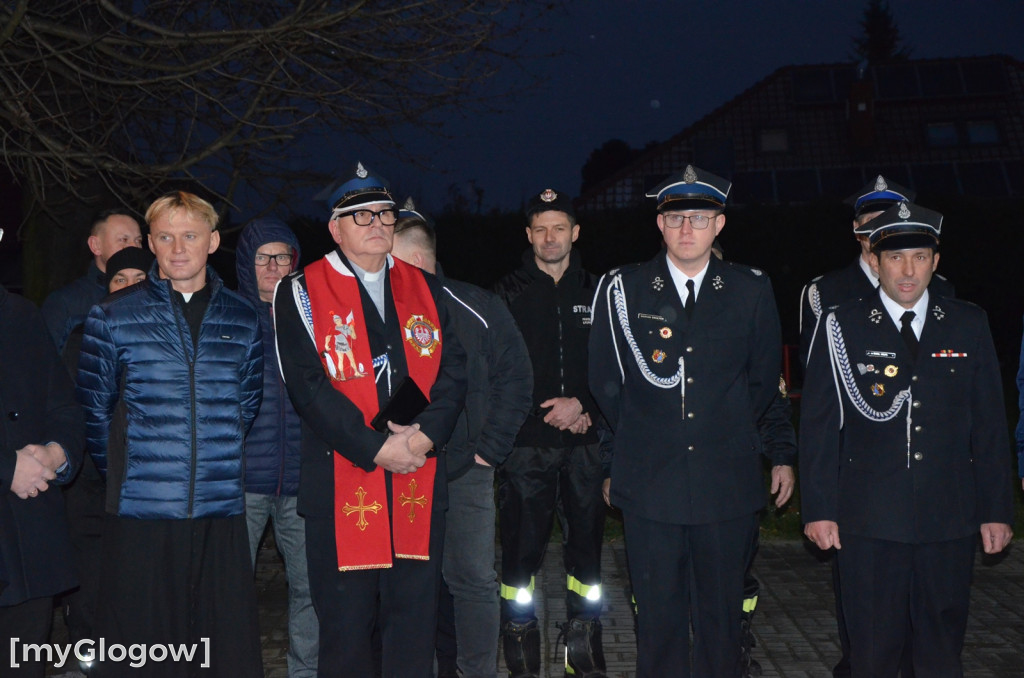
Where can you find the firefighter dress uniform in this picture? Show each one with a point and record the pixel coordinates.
(903, 444)
(684, 393)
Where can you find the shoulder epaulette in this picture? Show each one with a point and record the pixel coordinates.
(752, 271)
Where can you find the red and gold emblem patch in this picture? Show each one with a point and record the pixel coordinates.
(422, 334)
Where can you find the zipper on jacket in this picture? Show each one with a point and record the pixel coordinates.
(192, 398)
(282, 430)
(190, 358)
(561, 342)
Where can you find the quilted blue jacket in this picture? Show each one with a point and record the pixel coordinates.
(272, 457)
(188, 409)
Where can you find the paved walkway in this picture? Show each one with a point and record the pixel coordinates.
(795, 621)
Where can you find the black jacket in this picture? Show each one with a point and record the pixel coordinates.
(66, 308)
(824, 294)
(689, 457)
(37, 404)
(330, 421)
(555, 322)
(940, 466)
(499, 380)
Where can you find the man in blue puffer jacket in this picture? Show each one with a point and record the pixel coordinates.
(267, 251)
(185, 356)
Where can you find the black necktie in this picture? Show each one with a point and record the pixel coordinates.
(908, 333)
(691, 299)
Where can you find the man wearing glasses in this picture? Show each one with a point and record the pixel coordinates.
(267, 251)
(373, 501)
(685, 353)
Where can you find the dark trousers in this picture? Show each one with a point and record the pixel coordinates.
(842, 668)
(447, 643)
(177, 582)
(29, 622)
(533, 484)
(687, 575)
(885, 584)
(401, 602)
(84, 502)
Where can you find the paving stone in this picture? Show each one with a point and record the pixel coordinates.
(794, 625)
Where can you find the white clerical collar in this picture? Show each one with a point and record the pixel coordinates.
(680, 278)
(368, 277)
(864, 266)
(896, 311)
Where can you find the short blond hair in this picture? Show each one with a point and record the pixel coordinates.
(193, 205)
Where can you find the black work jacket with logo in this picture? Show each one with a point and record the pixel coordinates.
(554, 319)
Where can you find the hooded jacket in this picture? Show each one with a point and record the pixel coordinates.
(272, 447)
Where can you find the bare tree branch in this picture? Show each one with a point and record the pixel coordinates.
(136, 96)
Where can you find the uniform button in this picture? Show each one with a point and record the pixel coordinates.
(689, 380)
(689, 415)
(952, 370)
(917, 403)
(388, 347)
(12, 415)
(918, 456)
(690, 448)
(913, 378)
(689, 349)
(917, 428)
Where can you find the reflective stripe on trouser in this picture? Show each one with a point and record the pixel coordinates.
(583, 601)
(534, 485)
(521, 595)
(751, 587)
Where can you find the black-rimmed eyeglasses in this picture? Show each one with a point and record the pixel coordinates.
(279, 259)
(387, 216)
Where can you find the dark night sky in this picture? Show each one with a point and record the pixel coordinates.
(645, 70)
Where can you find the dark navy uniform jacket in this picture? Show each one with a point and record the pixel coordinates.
(824, 294)
(937, 476)
(695, 461)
